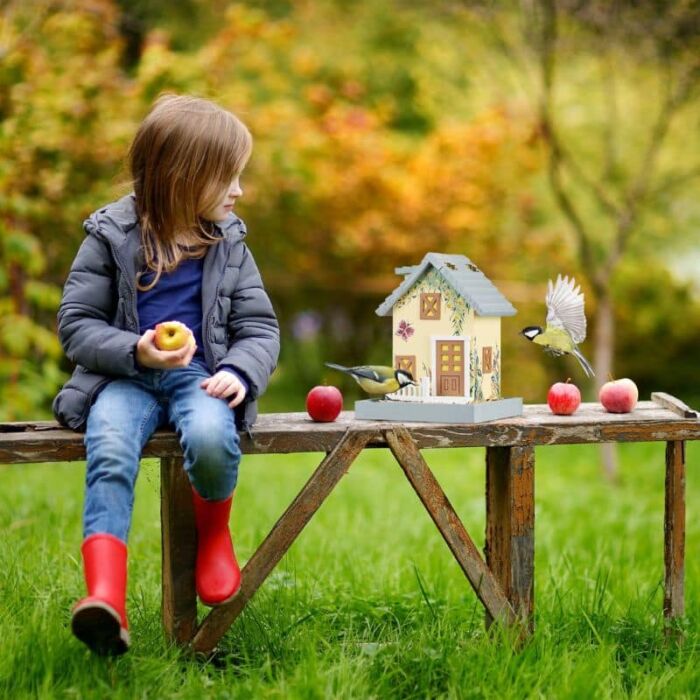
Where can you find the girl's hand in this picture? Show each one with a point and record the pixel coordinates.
(148, 355)
(224, 384)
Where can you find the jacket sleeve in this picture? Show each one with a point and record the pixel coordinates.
(253, 328)
(86, 312)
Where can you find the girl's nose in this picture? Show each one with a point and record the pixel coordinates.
(236, 190)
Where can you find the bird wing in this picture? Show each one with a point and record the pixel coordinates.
(565, 308)
(368, 372)
(365, 371)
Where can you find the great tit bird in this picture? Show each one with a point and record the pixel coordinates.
(377, 380)
(566, 322)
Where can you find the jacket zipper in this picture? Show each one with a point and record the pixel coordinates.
(208, 355)
(132, 312)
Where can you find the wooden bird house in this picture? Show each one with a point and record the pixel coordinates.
(446, 322)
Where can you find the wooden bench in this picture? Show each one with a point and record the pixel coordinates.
(502, 580)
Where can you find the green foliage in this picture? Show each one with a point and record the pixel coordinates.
(655, 312)
(64, 125)
(382, 131)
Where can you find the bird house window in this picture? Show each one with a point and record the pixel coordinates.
(487, 360)
(430, 306)
(406, 363)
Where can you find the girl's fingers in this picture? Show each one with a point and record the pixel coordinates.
(222, 385)
(219, 385)
(237, 399)
(231, 389)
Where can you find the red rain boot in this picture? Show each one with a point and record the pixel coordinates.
(217, 575)
(100, 619)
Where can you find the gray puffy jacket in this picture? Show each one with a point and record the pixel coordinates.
(98, 323)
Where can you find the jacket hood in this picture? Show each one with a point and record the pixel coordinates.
(115, 220)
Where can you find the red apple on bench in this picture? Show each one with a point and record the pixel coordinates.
(619, 395)
(324, 403)
(563, 398)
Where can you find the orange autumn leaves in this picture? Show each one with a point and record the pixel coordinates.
(337, 194)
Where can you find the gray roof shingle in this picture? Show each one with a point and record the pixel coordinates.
(463, 276)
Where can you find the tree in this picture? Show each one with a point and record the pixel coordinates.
(605, 198)
(613, 89)
(64, 125)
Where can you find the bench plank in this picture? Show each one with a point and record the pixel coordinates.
(283, 433)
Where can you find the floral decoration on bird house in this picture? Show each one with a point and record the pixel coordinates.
(447, 328)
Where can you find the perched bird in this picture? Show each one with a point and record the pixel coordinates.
(377, 380)
(566, 322)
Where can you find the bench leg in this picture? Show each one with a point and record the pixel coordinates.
(435, 501)
(179, 551)
(674, 533)
(281, 537)
(510, 526)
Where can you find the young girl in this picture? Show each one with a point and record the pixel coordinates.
(171, 250)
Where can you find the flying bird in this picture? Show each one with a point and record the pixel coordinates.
(377, 380)
(565, 323)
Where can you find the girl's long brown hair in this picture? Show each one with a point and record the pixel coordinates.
(185, 154)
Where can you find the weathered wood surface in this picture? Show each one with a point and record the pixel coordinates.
(295, 432)
(674, 404)
(510, 526)
(674, 531)
(179, 551)
(485, 585)
(281, 537)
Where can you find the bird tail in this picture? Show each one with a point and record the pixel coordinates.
(583, 362)
(338, 367)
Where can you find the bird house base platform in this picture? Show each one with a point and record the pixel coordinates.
(427, 411)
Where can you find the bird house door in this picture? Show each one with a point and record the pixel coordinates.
(449, 363)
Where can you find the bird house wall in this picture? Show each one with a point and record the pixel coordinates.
(412, 330)
(485, 359)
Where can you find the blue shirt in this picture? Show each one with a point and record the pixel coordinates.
(177, 296)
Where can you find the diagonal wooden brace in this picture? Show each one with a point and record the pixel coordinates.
(281, 537)
(484, 583)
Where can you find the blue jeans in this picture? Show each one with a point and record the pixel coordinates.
(125, 415)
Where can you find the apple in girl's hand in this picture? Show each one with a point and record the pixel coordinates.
(563, 398)
(172, 335)
(619, 395)
(324, 403)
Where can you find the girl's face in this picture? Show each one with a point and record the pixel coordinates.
(226, 201)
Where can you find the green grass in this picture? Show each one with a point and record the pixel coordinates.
(368, 602)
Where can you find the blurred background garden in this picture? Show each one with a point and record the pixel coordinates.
(533, 137)
(536, 138)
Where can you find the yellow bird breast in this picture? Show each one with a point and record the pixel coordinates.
(376, 388)
(556, 339)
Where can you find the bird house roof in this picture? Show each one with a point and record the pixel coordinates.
(463, 275)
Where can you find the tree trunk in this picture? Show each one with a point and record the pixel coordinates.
(603, 365)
